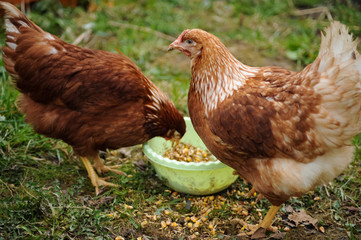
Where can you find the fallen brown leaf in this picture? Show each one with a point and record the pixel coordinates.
(302, 217)
(277, 235)
(260, 233)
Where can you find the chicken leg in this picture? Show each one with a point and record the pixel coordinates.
(267, 221)
(253, 192)
(96, 181)
(101, 168)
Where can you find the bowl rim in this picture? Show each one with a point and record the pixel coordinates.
(190, 166)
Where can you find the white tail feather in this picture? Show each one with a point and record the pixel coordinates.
(10, 10)
(338, 44)
(339, 65)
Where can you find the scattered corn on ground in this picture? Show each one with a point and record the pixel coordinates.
(201, 218)
(231, 212)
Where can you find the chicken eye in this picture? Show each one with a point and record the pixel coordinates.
(189, 41)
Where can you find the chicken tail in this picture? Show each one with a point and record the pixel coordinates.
(338, 45)
(21, 35)
(15, 22)
(339, 84)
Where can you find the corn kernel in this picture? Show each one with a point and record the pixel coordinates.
(187, 219)
(119, 238)
(316, 198)
(139, 238)
(213, 232)
(130, 176)
(196, 224)
(254, 194)
(194, 219)
(287, 229)
(211, 198)
(174, 224)
(163, 224)
(144, 223)
(244, 212)
(190, 225)
(166, 212)
(322, 229)
(210, 226)
(253, 203)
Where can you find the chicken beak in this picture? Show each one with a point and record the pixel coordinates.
(177, 43)
(172, 46)
(175, 142)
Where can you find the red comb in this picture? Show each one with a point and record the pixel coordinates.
(182, 34)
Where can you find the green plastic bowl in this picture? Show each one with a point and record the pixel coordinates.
(196, 178)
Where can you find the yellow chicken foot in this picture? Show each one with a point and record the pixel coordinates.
(267, 221)
(96, 181)
(101, 168)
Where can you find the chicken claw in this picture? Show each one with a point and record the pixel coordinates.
(96, 181)
(101, 168)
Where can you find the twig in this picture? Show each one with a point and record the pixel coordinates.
(317, 10)
(82, 36)
(22, 185)
(327, 193)
(141, 28)
(7, 186)
(27, 146)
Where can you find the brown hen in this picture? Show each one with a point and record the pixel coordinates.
(93, 100)
(285, 132)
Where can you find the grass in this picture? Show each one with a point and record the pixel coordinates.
(45, 191)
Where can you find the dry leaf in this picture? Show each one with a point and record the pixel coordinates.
(140, 165)
(302, 217)
(289, 208)
(125, 152)
(260, 233)
(277, 235)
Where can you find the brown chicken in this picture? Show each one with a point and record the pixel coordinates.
(285, 132)
(92, 100)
